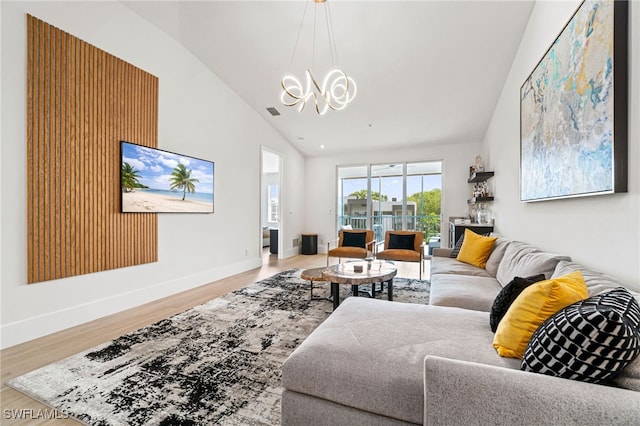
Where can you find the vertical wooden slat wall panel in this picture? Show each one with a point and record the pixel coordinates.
(51, 228)
(45, 153)
(81, 102)
(75, 154)
(88, 151)
(101, 162)
(38, 109)
(57, 123)
(38, 134)
(60, 149)
(125, 119)
(132, 220)
(51, 152)
(30, 129)
(116, 113)
(112, 150)
(104, 163)
(81, 179)
(124, 253)
(91, 153)
(68, 201)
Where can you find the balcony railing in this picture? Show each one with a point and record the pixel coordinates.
(429, 224)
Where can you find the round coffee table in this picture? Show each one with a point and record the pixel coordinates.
(348, 273)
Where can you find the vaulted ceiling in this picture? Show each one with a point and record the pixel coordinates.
(427, 72)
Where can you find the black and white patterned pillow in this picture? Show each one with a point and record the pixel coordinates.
(457, 247)
(592, 340)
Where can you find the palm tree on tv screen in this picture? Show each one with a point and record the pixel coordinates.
(181, 179)
(130, 177)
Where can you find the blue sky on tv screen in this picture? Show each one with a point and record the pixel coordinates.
(155, 166)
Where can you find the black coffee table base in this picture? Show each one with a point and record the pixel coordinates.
(335, 291)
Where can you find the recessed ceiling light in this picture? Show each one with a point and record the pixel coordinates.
(321, 146)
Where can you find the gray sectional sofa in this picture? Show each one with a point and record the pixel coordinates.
(374, 362)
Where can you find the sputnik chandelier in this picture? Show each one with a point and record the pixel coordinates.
(336, 90)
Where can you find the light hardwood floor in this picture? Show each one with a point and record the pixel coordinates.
(20, 359)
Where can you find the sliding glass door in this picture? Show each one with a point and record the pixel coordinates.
(424, 192)
(384, 197)
(387, 195)
(353, 197)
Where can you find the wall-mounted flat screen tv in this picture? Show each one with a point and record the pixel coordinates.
(157, 181)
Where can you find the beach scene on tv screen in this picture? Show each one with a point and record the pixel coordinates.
(153, 180)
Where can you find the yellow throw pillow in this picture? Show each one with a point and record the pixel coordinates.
(476, 249)
(532, 307)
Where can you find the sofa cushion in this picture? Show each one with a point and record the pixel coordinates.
(507, 295)
(445, 265)
(369, 354)
(596, 282)
(354, 239)
(476, 249)
(524, 260)
(442, 252)
(401, 241)
(467, 292)
(497, 253)
(532, 307)
(592, 340)
(348, 252)
(630, 376)
(400, 255)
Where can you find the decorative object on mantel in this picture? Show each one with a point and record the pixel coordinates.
(573, 109)
(336, 90)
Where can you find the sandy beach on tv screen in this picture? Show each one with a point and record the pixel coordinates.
(142, 201)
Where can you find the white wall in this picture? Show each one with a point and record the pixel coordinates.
(321, 187)
(602, 232)
(198, 116)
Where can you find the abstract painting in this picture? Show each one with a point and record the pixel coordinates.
(573, 109)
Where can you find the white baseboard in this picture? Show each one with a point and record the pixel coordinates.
(32, 328)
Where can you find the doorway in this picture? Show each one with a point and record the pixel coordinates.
(271, 202)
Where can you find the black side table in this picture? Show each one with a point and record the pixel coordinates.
(309, 244)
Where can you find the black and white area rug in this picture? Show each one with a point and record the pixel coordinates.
(217, 363)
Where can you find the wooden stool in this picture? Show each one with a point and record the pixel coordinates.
(311, 275)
